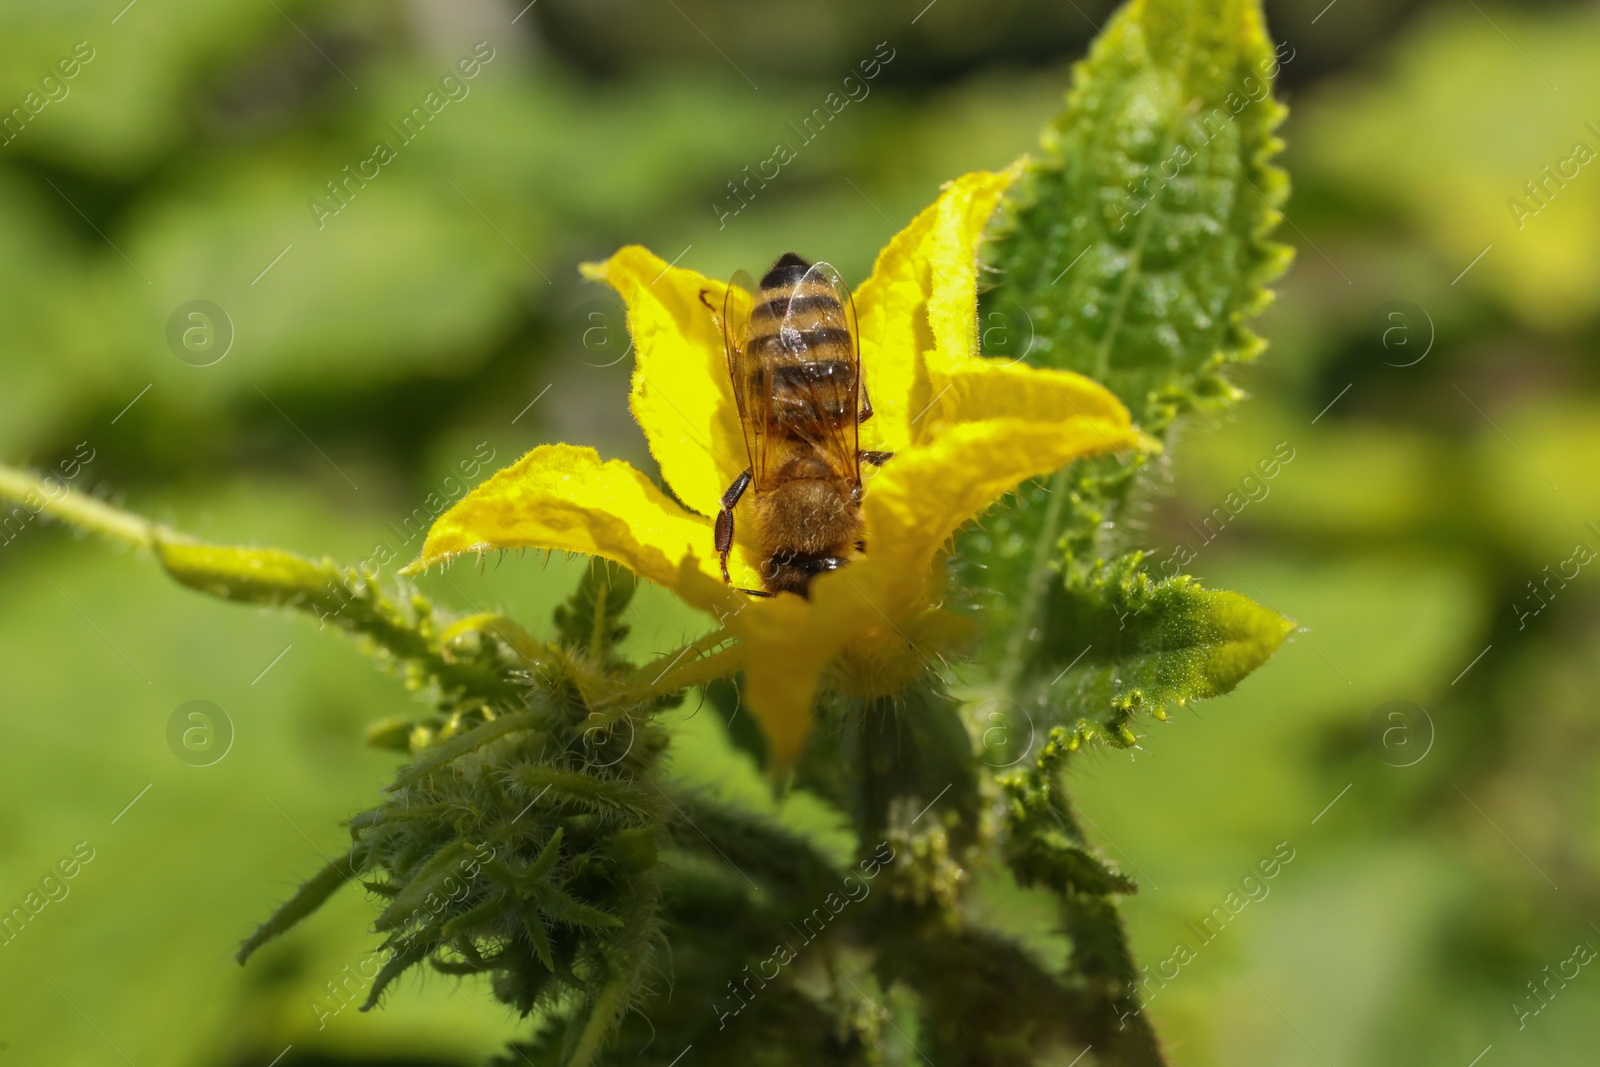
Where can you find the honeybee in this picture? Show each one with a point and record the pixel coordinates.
(795, 363)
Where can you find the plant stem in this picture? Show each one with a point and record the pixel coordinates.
(1033, 589)
(84, 512)
(599, 1021)
(602, 613)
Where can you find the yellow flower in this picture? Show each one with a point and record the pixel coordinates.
(964, 429)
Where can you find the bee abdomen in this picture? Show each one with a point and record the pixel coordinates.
(836, 373)
(794, 340)
(788, 271)
(813, 394)
(799, 306)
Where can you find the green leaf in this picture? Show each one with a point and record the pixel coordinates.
(431, 759)
(1129, 643)
(1134, 250)
(488, 915)
(538, 936)
(1137, 245)
(403, 957)
(1056, 861)
(307, 899)
(435, 878)
(547, 857)
(590, 619)
(605, 797)
(563, 907)
(1043, 845)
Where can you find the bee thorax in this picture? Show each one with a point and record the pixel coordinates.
(808, 516)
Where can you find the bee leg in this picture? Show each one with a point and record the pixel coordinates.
(866, 406)
(724, 527)
(755, 592)
(877, 459)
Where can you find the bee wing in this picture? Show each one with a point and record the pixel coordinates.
(826, 336)
(747, 393)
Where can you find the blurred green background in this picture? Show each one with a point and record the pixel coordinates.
(1432, 372)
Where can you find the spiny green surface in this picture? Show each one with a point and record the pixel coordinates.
(1136, 246)
(1134, 251)
(1138, 644)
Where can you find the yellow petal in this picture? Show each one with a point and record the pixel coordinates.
(973, 389)
(867, 612)
(876, 668)
(922, 297)
(681, 395)
(924, 496)
(1026, 423)
(787, 644)
(563, 497)
(964, 211)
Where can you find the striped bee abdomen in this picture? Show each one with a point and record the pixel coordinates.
(804, 394)
(800, 351)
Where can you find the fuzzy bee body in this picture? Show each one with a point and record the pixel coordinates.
(796, 372)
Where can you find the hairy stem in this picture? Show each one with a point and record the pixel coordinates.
(601, 1016)
(81, 511)
(1033, 590)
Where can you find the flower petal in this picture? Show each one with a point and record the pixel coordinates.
(975, 389)
(964, 211)
(924, 496)
(787, 643)
(860, 611)
(1026, 423)
(923, 296)
(563, 497)
(681, 396)
(790, 642)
